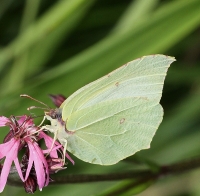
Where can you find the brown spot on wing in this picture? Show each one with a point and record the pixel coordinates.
(122, 120)
(117, 84)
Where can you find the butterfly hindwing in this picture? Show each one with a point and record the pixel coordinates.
(116, 134)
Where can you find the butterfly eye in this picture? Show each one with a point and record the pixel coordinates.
(53, 115)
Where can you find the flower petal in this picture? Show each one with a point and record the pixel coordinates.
(12, 154)
(17, 165)
(3, 121)
(6, 148)
(30, 164)
(44, 161)
(69, 158)
(48, 141)
(41, 167)
(22, 119)
(4, 173)
(47, 151)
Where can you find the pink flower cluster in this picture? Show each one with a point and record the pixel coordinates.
(36, 164)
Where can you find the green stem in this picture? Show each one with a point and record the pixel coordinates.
(141, 176)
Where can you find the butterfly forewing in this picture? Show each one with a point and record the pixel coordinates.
(142, 77)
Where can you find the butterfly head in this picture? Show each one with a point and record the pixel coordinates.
(55, 115)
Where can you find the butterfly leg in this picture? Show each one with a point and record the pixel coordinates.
(42, 121)
(64, 143)
(54, 139)
(54, 131)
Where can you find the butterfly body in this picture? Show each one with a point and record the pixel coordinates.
(58, 126)
(115, 116)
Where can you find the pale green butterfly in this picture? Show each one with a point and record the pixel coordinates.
(115, 116)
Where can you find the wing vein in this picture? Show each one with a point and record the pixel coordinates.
(93, 147)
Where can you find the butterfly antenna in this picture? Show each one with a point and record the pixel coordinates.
(36, 107)
(27, 96)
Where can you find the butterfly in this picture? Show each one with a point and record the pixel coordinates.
(115, 116)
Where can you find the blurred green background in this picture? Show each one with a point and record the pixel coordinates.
(51, 47)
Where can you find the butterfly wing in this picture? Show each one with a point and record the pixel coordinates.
(143, 77)
(113, 130)
(118, 114)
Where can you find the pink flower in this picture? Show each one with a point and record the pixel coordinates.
(36, 163)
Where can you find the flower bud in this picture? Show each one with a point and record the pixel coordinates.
(57, 99)
(30, 185)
